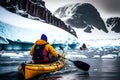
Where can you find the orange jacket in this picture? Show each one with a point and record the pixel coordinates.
(48, 48)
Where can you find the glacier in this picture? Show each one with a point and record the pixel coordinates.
(15, 27)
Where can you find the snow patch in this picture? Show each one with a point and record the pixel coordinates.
(75, 56)
(109, 56)
(12, 55)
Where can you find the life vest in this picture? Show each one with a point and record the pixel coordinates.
(40, 54)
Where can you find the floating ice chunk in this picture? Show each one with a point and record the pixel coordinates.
(12, 55)
(96, 56)
(75, 56)
(109, 56)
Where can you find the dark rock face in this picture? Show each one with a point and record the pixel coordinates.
(9, 5)
(36, 9)
(83, 16)
(114, 23)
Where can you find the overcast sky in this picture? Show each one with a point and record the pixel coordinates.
(106, 8)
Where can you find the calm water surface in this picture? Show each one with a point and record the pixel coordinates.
(101, 69)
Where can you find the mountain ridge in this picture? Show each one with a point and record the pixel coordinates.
(83, 16)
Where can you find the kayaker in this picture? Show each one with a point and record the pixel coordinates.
(83, 47)
(48, 54)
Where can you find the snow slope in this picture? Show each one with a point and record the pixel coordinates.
(29, 30)
(98, 38)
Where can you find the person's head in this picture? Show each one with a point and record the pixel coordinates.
(44, 37)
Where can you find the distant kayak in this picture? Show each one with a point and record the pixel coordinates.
(31, 70)
(81, 48)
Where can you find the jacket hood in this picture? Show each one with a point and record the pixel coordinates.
(40, 42)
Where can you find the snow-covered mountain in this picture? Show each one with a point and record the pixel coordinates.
(83, 16)
(114, 23)
(89, 25)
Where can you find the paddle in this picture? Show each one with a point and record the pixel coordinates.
(79, 64)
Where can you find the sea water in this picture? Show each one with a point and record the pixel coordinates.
(101, 68)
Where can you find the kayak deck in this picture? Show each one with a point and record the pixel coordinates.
(32, 70)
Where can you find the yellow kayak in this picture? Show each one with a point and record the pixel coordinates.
(31, 70)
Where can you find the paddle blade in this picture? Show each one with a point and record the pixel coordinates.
(81, 65)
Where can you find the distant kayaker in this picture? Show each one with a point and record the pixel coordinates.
(43, 52)
(83, 47)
